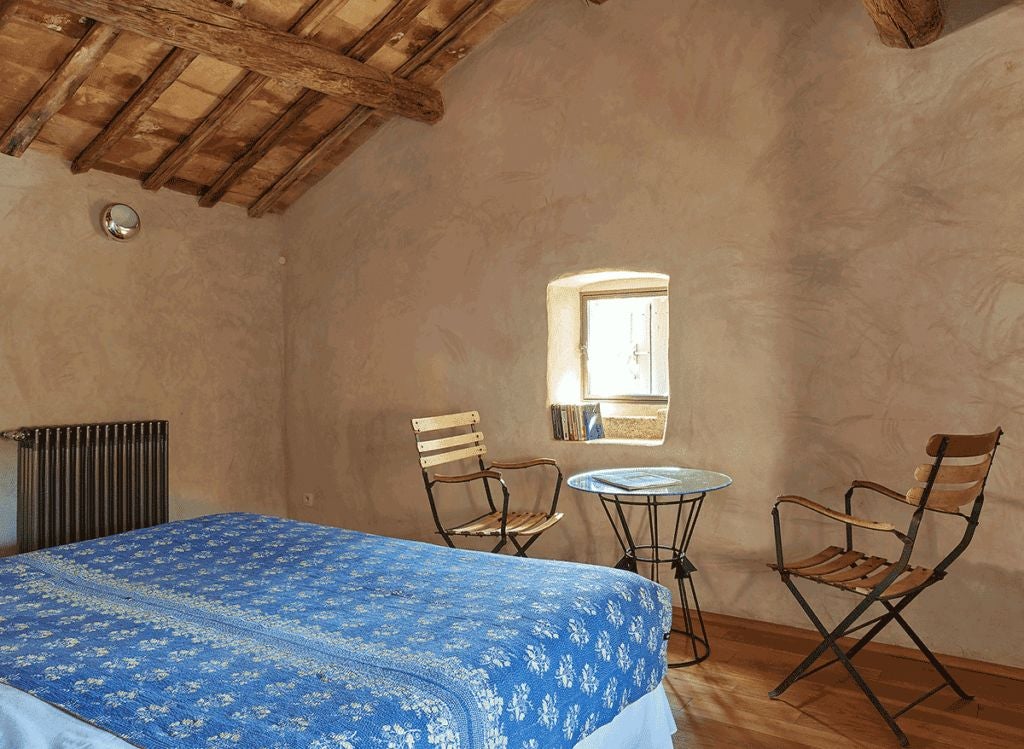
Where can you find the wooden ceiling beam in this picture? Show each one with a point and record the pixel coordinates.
(907, 24)
(225, 34)
(268, 140)
(125, 120)
(393, 22)
(187, 187)
(250, 85)
(60, 87)
(309, 160)
(334, 139)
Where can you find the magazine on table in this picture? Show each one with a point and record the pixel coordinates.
(634, 480)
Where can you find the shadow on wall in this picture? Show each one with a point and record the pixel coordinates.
(8, 497)
(893, 318)
(960, 15)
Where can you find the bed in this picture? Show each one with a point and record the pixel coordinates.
(242, 630)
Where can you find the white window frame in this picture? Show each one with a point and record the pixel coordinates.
(585, 296)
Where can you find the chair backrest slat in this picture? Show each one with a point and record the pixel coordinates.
(428, 461)
(466, 442)
(954, 485)
(434, 423)
(949, 474)
(429, 446)
(945, 500)
(964, 445)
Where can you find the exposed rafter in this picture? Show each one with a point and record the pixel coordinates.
(124, 122)
(250, 85)
(309, 160)
(184, 186)
(393, 22)
(61, 86)
(226, 35)
(265, 133)
(360, 115)
(907, 23)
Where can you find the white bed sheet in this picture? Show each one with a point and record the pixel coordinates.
(646, 724)
(30, 723)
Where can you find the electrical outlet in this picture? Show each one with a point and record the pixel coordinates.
(308, 499)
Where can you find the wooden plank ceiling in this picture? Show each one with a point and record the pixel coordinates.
(248, 102)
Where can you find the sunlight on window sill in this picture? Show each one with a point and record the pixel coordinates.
(626, 441)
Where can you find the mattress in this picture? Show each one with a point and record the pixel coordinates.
(248, 631)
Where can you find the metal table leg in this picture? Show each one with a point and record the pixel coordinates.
(655, 554)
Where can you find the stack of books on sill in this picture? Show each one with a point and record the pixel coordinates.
(578, 422)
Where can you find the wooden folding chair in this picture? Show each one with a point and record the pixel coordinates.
(946, 486)
(501, 524)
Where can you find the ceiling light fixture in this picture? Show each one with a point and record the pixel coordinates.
(120, 221)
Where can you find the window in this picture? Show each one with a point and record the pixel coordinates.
(608, 341)
(624, 345)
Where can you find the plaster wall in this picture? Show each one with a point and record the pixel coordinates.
(841, 225)
(182, 323)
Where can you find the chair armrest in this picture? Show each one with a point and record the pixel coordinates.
(532, 463)
(878, 488)
(525, 463)
(467, 477)
(842, 517)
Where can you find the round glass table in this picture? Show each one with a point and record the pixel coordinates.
(658, 491)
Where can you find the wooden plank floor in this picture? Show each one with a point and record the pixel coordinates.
(724, 702)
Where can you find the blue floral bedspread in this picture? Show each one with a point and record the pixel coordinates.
(249, 631)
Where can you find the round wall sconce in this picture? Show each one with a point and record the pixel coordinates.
(120, 221)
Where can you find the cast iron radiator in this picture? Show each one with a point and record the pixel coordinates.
(89, 480)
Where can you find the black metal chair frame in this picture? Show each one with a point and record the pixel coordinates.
(467, 446)
(894, 610)
(487, 474)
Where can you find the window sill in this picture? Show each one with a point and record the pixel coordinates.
(627, 441)
(635, 428)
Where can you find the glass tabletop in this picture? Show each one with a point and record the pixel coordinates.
(648, 481)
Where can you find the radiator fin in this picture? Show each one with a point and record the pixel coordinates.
(89, 480)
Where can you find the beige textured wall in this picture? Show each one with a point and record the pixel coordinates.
(842, 227)
(183, 323)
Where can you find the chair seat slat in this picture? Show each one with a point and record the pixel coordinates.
(865, 568)
(487, 523)
(864, 585)
(866, 573)
(840, 562)
(518, 523)
(908, 582)
(912, 577)
(543, 525)
(819, 558)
